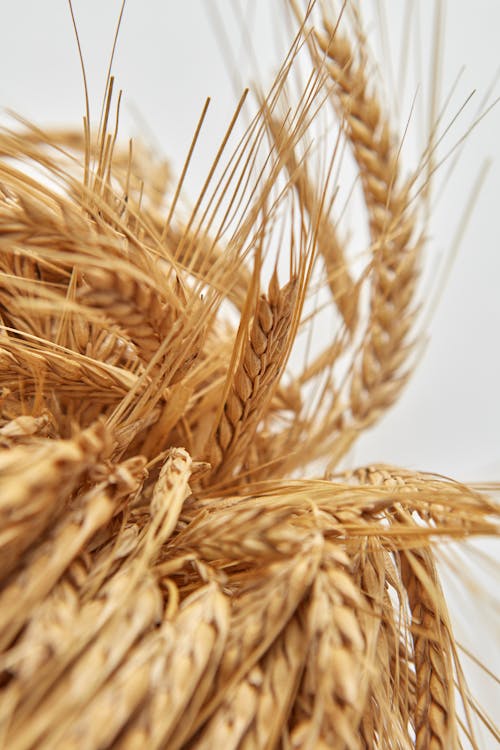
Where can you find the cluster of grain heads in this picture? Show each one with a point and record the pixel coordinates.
(167, 579)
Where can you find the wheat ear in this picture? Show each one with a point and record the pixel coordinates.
(377, 378)
(332, 696)
(37, 483)
(73, 375)
(435, 706)
(255, 378)
(104, 631)
(267, 601)
(43, 567)
(49, 629)
(137, 307)
(253, 713)
(281, 671)
(186, 652)
(389, 709)
(20, 430)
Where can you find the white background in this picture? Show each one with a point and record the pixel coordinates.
(169, 59)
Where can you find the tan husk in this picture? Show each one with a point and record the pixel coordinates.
(180, 567)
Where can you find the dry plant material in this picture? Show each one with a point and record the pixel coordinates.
(167, 578)
(255, 377)
(434, 700)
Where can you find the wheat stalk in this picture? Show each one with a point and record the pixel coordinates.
(49, 473)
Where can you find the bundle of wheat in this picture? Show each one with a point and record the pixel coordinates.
(168, 578)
